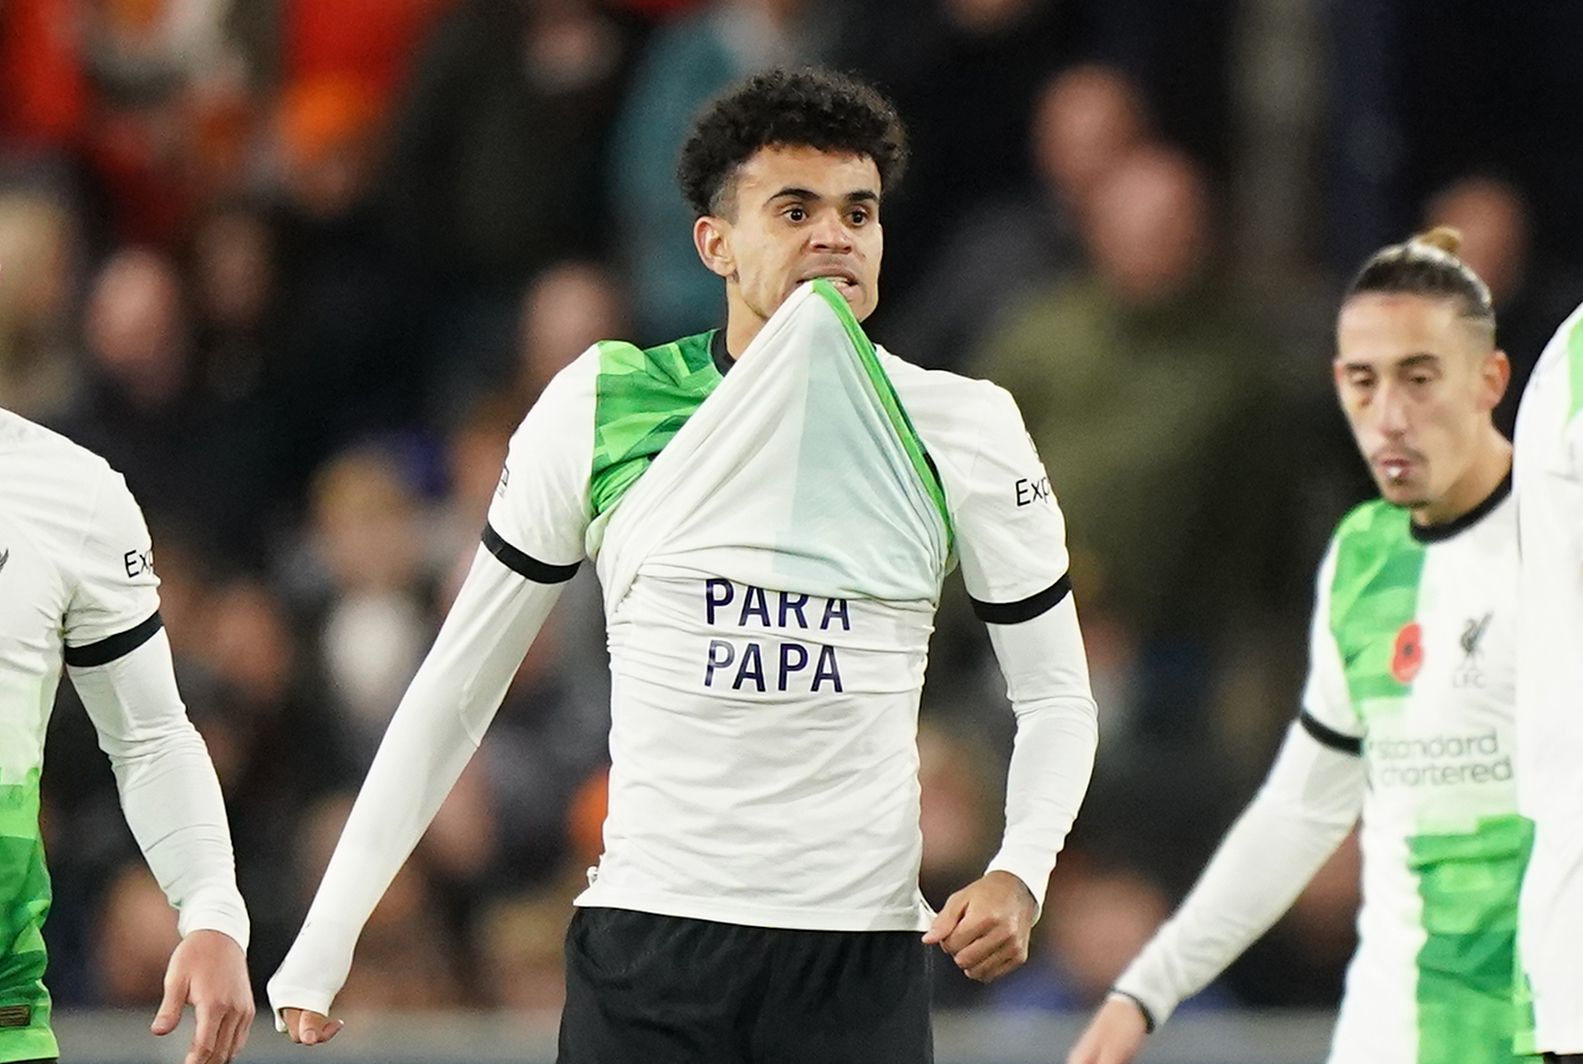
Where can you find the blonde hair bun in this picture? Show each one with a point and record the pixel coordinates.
(1442, 238)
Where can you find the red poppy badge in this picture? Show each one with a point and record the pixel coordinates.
(1409, 655)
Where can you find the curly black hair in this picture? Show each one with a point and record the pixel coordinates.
(807, 107)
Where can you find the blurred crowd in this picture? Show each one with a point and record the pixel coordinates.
(297, 268)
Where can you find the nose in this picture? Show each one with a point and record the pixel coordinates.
(1391, 402)
(829, 233)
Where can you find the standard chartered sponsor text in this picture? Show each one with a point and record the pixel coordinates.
(1438, 760)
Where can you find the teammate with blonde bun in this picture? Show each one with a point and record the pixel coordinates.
(1406, 717)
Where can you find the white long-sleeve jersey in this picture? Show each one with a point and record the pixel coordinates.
(77, 588)
(771, 544)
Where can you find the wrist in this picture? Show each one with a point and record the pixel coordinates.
(1137, 1003)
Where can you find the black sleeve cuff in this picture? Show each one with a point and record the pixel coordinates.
(1326, 736)
(116, 646)
(525, 564)
(1028, 608)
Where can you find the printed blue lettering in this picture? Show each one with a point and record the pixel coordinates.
(793, 604)
(710, 587)
(718, 647)
(754, 604)
(834, 608)
(794, 658)
(752, 668)
(826, 669)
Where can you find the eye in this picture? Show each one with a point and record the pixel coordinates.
(795, 213)
(859, 216)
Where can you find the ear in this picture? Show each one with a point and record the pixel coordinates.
(1495, 373)
(712, 238)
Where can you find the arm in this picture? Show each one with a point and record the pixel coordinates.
(168, 788)
(1306, 807)
(118, 658)
(986, 925)
(1013, 550)
(172, 802)
(433, 734)
(1308, 804)
(533, 543)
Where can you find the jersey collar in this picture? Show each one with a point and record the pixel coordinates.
(718, 352)
(1441, 533)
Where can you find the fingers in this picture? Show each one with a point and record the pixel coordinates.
(947, 919)
(232, 1036)
(170, 1006)
(309, 1028)
(207, 1034)
(985, 940)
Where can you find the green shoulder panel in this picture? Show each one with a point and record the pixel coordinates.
(642, 398)
(1373, 600)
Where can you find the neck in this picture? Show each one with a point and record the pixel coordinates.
(1484, 474)
(742, 324)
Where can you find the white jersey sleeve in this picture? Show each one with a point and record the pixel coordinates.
(119, 660)
(532, 545)
(1011, 539)
(169, 791)
(114, 586)
(541, 508)
(1308, 804)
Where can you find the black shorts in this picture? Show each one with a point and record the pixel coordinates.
(663, 990)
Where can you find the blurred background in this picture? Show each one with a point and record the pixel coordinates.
(297, 268)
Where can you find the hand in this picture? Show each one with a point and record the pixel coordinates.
(985, 926)
(1113, 1036)
(208, 969)
(309, 1028)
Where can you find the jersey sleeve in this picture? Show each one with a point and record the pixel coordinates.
(541, 510)
(1011, 537)
(1328, 713)
(114, 603)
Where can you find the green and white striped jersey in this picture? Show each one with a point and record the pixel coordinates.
(1412, 665)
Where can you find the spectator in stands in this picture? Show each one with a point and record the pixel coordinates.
(1497, 244)
(1143, 384)
(1085, 119)
(367, 538)
(495, 170)
(685, 64)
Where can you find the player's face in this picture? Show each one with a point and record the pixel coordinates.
(1417, 383)
(800, 213)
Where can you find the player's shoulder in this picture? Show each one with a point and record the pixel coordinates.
(1372, 527)
(945, 398)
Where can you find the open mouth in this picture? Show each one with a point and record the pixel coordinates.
(1395, 468)
(839, 278)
